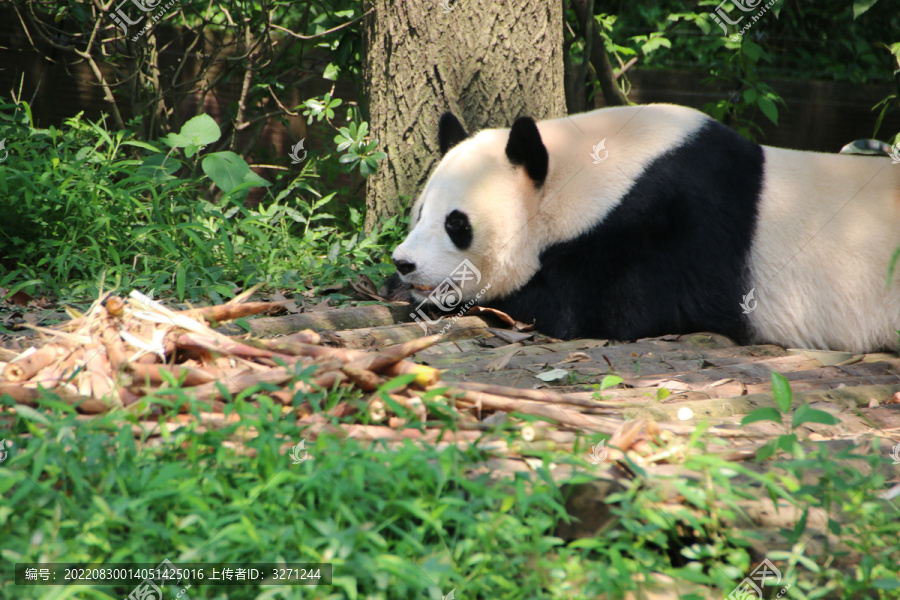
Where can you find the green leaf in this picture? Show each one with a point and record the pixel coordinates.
(805, 414)
(29, 414)
(768, 108)
(834, 527)
(398, 382)
(256, 180)
(331, 72)
(609, 381)
(861, 6)
(886, 584)
(751, 49)
(228, 170)
(767, 450)
(893, 266)
(800, 525)
(139, 144)
(199, 131)
(781, 389)
(762, 414)
(654, 43)
(180, 281)
(786, 442)
(158, 167)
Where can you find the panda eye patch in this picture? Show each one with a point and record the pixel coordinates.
(459, 229)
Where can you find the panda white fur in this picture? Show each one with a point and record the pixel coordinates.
(665, 228)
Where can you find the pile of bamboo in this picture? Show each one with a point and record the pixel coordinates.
(122, 350)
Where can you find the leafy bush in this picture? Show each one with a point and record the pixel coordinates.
(81, 203)
(854, 42)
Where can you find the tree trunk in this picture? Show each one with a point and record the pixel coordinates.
(594, 47)
(488, 62)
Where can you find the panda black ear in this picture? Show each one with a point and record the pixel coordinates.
(450, 132)
(526, 148)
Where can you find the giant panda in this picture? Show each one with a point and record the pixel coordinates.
(640, 221)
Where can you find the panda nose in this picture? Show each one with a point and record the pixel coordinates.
(405, 267)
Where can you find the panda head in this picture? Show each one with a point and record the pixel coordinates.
(477, 212)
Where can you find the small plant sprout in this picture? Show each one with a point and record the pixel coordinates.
(606, 383)
(781, 390)
(228, 170)
(359, 149)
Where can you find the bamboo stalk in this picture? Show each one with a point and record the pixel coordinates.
(115, 348)
(154, 374)
(330, 379)
(24, 368)
(377, 409)
(307, 336)
(425, 376)
(413, 404)
(235, 385)
(194, 341)
(574, 419)
(19, 393)
(364, 379)
(228, 312)
(535, 395)
(377, 360)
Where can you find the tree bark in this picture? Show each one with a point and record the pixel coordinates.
(488, 62)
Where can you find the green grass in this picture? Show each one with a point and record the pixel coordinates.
(407, 521)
